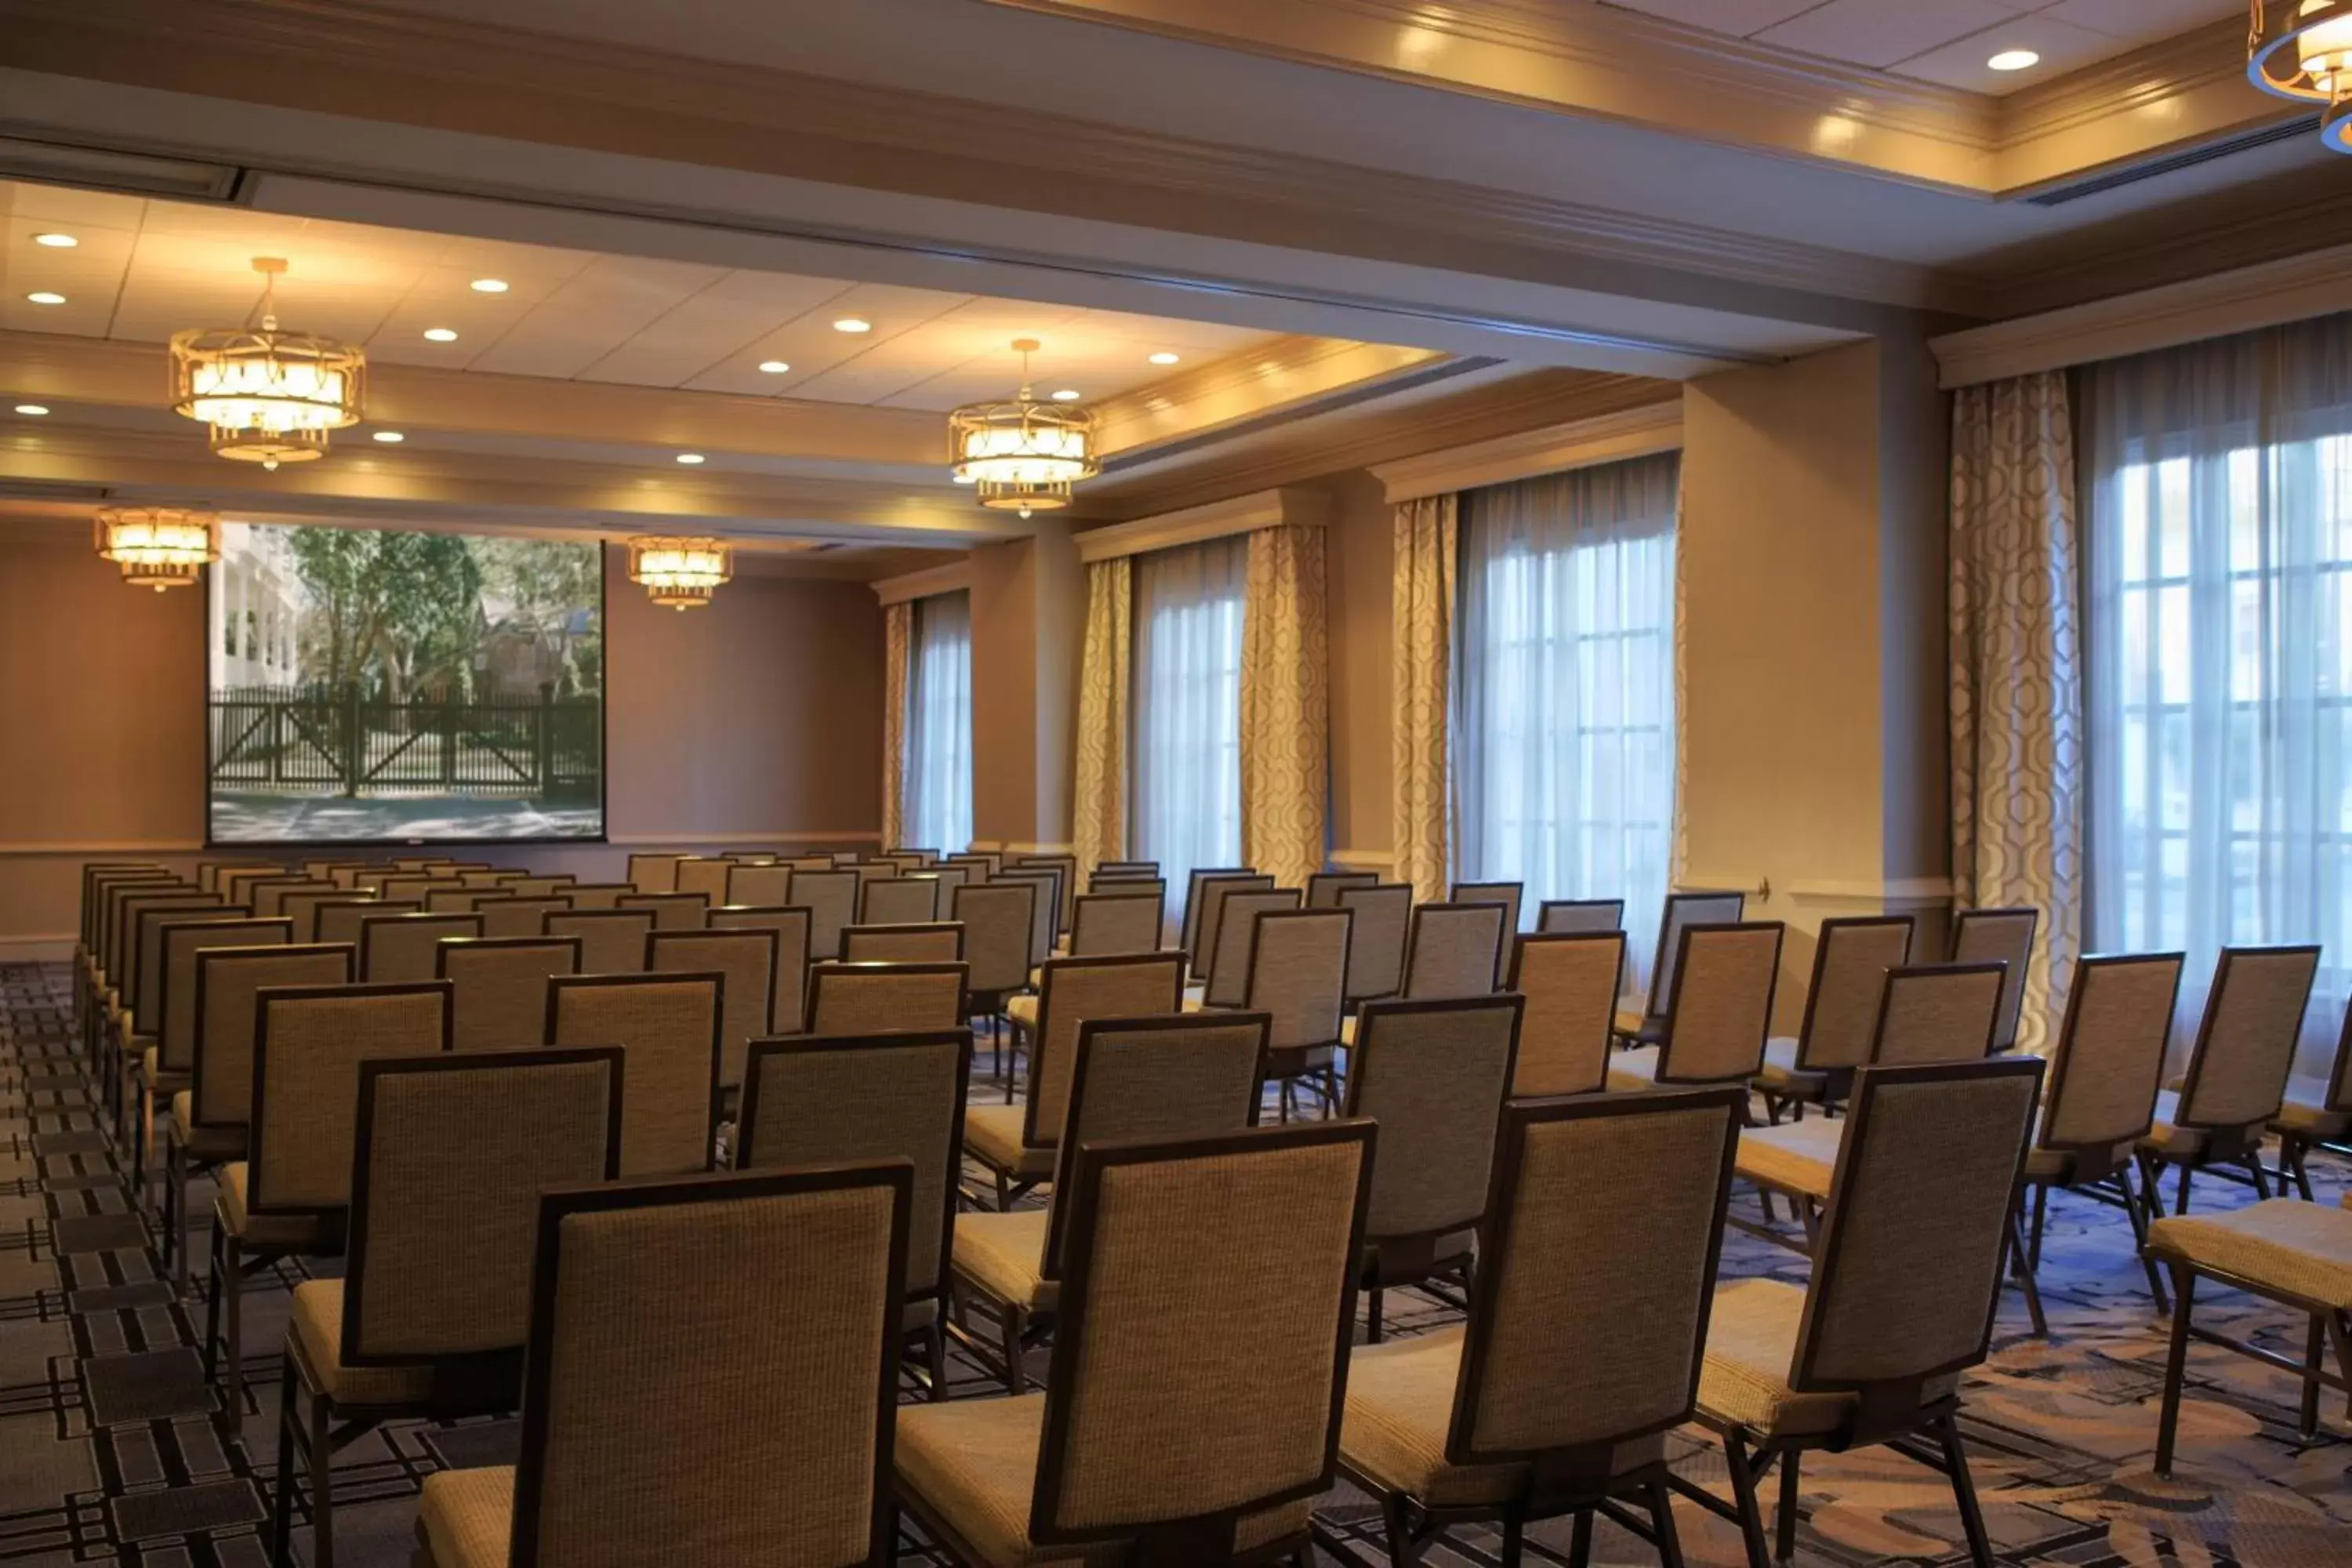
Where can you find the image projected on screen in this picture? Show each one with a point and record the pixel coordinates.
(381, 685)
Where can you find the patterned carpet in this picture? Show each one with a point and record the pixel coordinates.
(108, 1452)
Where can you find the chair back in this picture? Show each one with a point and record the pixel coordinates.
(792, 924)
(143, 998)
(140, 936)
(550, 885)
(1228, 974)
(1938, 1012)
(1120, 922)
(452, 1153)
(2109, 1063)
(1323, 887)
(489, 876)
(667, 1026)
(267, 896)
(101, 893)
(1203, 916)
(229, 983)
(1434, 1076)
(1450, 950)
(654, 873)
(612, 941)
(1721, 1007)
(996, 917)
(672, 911)
(515, 915)
(2339, 1075)
(785, 1287)
(831, 900)
(1065, 887)
(1045, 914)
(950, 878)
(1684, 909)
(863, 1100)
(1588, 1318)
(2246, 1041)
(898, 900)
(928, 941)
(397, 949)
(598, 895)
(707, 876)
(301, 906)
(1189, 914)
(884, 998)
(338, 920)
(1243, 1251)
(747, 959)
(1512, 897)
(498, 987)
(756, 887)
(1981, 936)
(308, 1043)
(1569, 982)
(1852, 958)
(183, 939)
(1072, 991)
(1384, 911)
(459, 900)
(1579, 915)
(1113, 870)
(1298, 969)
(1908, 1272)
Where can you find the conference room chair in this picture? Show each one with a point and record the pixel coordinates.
(544, 885)
(1433, 1075)
(109, 967)
(1644, 1022)
(489, 876)
(950, 878)
(301, 906)
(654, 873)
(1185, 1075)
(2315, 1114)
(1900, 1303)
(395, 948)
(928, 941)
(1211, 1457)
(2216, 1116)
(811, 862)
(211, 1116)
(898, 900)
(162, 1071)
(1116, 870)
(362, 878)
(2004, 936)
(1382, 912)
(831, 898)
(913, 854)
(515, 915)
(866, 1100)
(997, 919)
(1228, 973)
(1297, 962)
(883, 998)
(672, 911)
(612, 941)
(419, 886)
(1323, 887)
(338, 920)
(98, 883)
(269, 898)
(1852, 957)
(1719, 1013)
(144, 1078)
(705, 875)
(460, 900)
(287, 1197)
(1066, 886)
(430, 1316)
(790, 1282)
(498, 987)
(1453, 949)
(598, 895)
(1045, 915)
(758, 887)
(790, 924)
(1584, 1335)
(122, 1041)
(668, 1028)
(1203, 913)
(1015, 1143)
(1511, 896)
(1119, 920)
(746, 959)
(1579, 915)
(1569, 982)
(845, 858)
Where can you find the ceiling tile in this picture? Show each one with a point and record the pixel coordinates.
(2061, 47)
(712, 328)
(1738, 18)
(2144, 21)
(591, 314)
(1880, 32)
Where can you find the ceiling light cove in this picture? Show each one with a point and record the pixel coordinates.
(2304, 52)
(489, 285)
(440, 334)
(853, 324)
(56, 241)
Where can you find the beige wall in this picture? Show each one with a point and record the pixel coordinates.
(756, 718)
(1358, 557)
(1028, 627)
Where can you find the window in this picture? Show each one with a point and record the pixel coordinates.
(1187, 745)
(2219, 640)
(938, 725)
(1564, 689)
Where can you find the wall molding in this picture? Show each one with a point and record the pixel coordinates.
(38, 947)
(1551, 450)
(1900, 893)
(37, 849)
(1382, 860)
(953, 577)
(1289, 506)
(689, 840)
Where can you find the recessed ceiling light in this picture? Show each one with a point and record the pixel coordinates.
(1165, 357)
(440, 334)
(56, 241)
(853, 324)
(774, 366)
(44, 297)
(489, 285)
(1066, 395)
(390, 436)
(2014, 61)
(35, 409)
(689, 458)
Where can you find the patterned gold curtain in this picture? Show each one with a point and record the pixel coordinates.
(1286, 705)
(2017, 699)
(1422, 669)
(898, 637)
(1099, 812)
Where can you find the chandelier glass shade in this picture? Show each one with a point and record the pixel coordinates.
(267, 396)
(680, 574)
(2301, 50)
(1023, 455)
(158, 547)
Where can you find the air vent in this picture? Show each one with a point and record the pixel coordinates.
(2156, 168)
(130, 173)
(35, 490)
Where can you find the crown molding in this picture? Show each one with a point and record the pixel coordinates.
(1247, 385)
(1289, 506)
(2192, 87)
(953, 577)
(1551, 450)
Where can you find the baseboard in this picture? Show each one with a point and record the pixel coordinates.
(37, 948)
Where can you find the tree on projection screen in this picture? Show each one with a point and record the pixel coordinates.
(384, 686)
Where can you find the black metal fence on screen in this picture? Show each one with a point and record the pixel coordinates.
(335, 741)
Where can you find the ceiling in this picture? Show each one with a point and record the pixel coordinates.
(145, 269)
(1948, 41)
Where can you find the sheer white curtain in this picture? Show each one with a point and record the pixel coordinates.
(938, 725)
(2220, 652)
(1564, 687)
(1186, 809)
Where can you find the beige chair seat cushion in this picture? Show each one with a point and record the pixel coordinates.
(2305, 1110)
(465, 1518)
(991, 1134)
(317, 1324)
(2056, 1164)
(1780, 1073)
(209, 1145)
(972, 1465)
(1023, 1011)
(1400, 1409)
(259, 1230)
(2301, 1250)
(1348, 1030)
(1795, 1157)
(1752, 1343)
(1002, 1254)
(1635, 1069)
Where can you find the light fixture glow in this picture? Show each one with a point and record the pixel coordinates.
(2013, 60)
(268, 396)
(2304, 53)
(773, 367)
(34, 410)
(440, 334)
(680, 574)
(1024, 455)
(45, 297)
(1165, 357)
(158, 547)
(390, 437)
(853, 324)
(56, 241)
(489, 285)
(1066, 395)
(689, 458)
